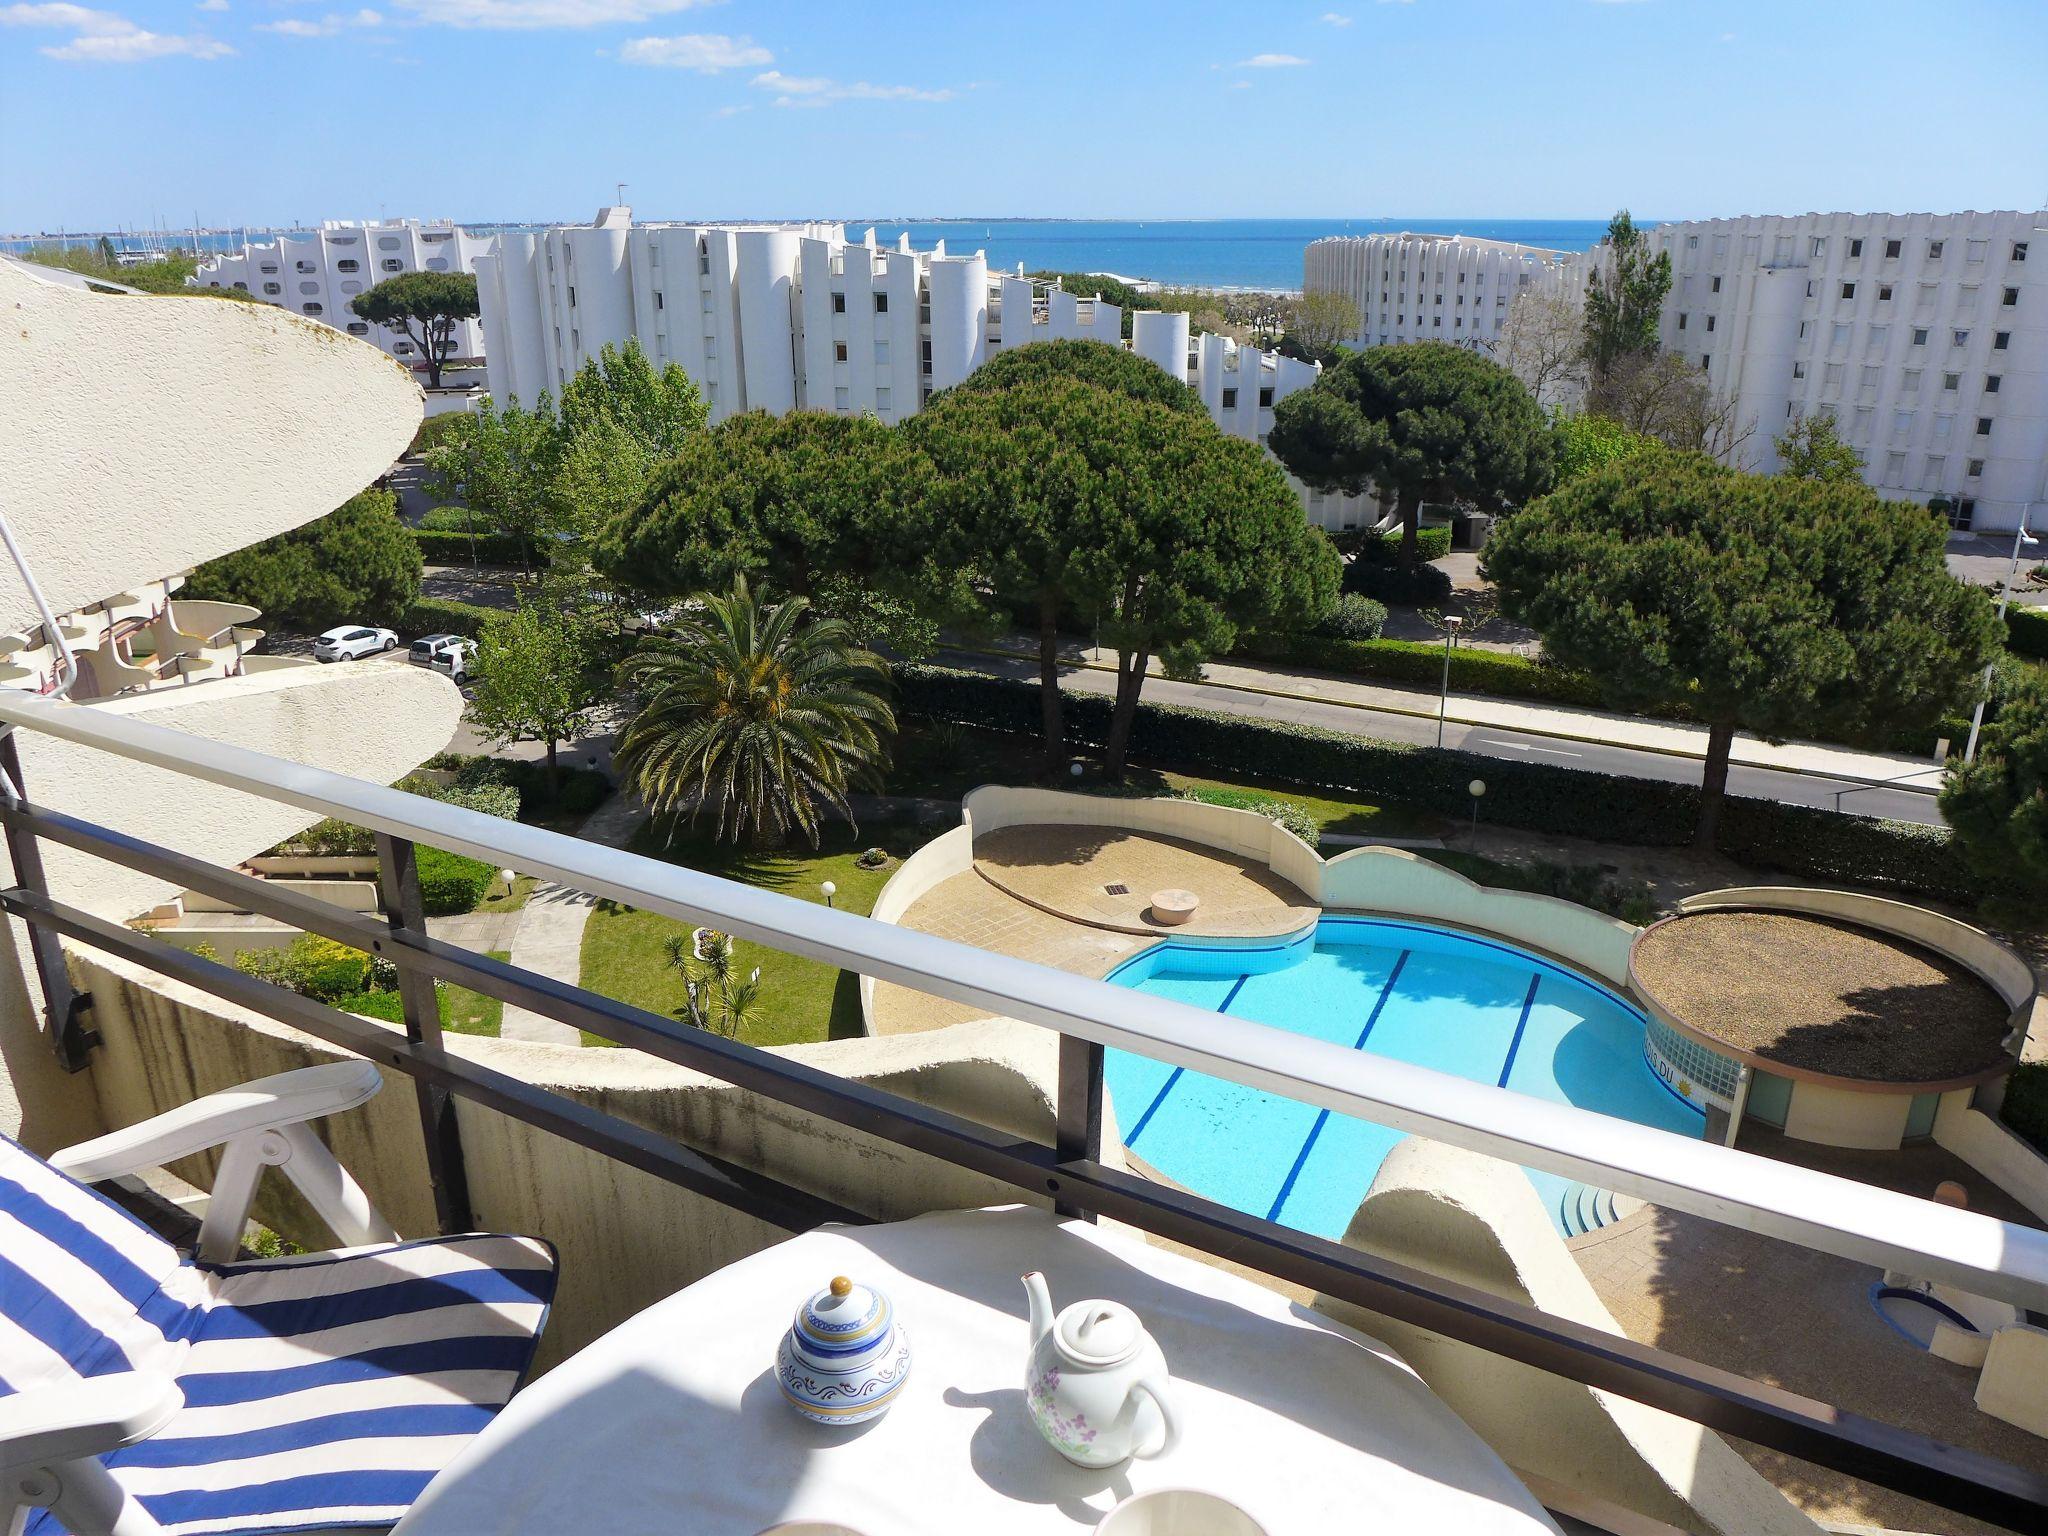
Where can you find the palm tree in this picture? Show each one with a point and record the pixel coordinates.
(759, 712)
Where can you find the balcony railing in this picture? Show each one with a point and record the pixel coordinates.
(1835, 1215)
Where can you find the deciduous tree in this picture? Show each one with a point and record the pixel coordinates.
(1812, 449)
(1429, 420)
(1544, 345)
(537, 677)
(1775, 606)
(424, 308)
(1623, 298)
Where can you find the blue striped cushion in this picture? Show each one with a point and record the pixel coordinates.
(320, 1390)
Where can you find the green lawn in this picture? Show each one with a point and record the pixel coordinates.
(802, 1000)
(471, 1013)
(508, 901)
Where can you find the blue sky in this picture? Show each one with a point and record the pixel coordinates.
(272, 111)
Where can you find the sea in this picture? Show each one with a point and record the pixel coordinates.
(1200, 253)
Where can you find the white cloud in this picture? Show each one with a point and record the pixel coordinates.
(1239, 85)
(213, 5)
(1270, 61)
(705, 52)
(102, 37)
(820, 91)
(527, 14)
(327, 26)
(1332, 19)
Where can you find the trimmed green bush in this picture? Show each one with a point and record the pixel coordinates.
(1353, 618)
(311, 966)
(1296, 818)
(578, 792)
(451, 882)
(330, 837)
(2026, 1103)
(2026, 631)
(1397, 585)
(440, 615)
(1431, 543)
(1502, 674)
(1539, 797)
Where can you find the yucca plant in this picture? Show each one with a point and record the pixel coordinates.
(758, 713)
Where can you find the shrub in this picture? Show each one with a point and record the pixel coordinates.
(311, 966)
(330, 837)
(2026, 1103)
(358, 564)
(1296, 818)
(456, 520)
(577, 792)
(1854, 850)
(2026, 631)
(1431, 543)
(451, 882)
(1354, 618)
(1397, 585)
(1502, 674)
(439, 615)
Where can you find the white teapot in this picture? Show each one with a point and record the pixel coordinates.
(1096, 1382)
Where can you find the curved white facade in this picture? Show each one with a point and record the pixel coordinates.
(316, 274)
(1411, 287)
(798, 317)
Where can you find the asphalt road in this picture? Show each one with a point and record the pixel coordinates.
(1489, 741)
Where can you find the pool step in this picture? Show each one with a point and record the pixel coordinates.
(1586, 1208)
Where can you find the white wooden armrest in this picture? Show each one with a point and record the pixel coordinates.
(258, 1125)
(51, 1437)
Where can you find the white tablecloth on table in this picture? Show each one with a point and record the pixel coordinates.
(671, 1425)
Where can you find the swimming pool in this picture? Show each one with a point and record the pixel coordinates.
(1456, 1002)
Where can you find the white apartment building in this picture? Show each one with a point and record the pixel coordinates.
(1411, 287)
(318, 273)
(1924, 335)
(798, 317)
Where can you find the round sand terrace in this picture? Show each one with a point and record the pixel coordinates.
(1819, 998)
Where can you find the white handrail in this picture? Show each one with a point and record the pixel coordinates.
(1836, 1215)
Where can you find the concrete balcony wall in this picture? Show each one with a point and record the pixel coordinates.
(626, 1238)
(147, 434)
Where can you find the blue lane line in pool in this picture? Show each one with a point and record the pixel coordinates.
(1323, 1115)
(1521, 1025)
(1173, 1077)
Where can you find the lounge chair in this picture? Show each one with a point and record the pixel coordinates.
(144, 1392)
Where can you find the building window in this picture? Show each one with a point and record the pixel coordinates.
(1872, 373)
(1799, 370)
(387, 242)
(881, 303)
(1848, 290)
(341, 239)
(1692, 242)
(1265, 399)
(1818, 249)
(311, 309)
(659, 301)
(704, 264)
(1919, 335)
(1891, 249)
(1855, 249)
(1681, 321)
(437, 263)
(1894, 469)
(307, 266)
(1943, 425)
(309, 287)
(1841, 336)
(1875, 338)
(1902, 423)
(267, 287)
(1983, 426)
(357, 328)
(348, 264)
(1864, 416)
(1951, 381)
(1884, 293)
(269, 269)
(2019, 250)
(2001, 340)
(2012, 297)
(402, 349)
(1934, 250)
(881, 354)
(1909, 382)
(1959, 338)
(842, 399)
(1991, 381)
(351, 286)
(1975, 468)
(882, 399)
(838, 351)
(1705, 362)
(1710, 322)
(838, 303)
(1977, 250)
(1965, 514)
(1715, 285)
(572, 295)
(392, 264)
(1831, 379)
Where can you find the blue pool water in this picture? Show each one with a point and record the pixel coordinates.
(1451, 1001)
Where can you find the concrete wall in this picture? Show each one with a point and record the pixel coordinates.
(1477, 1221)
(949, 854)
(147, 434)
(1993, 1151)
(1246, 834)
(626, 1238)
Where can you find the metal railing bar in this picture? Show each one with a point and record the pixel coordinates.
(782, 1205)
(1822, 1211)
(1814, 1431)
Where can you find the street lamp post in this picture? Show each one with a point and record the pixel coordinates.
(1452, 624)
(1477, 788)
(829, 889)
(2019, 538)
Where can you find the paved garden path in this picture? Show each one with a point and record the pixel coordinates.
(549, 938)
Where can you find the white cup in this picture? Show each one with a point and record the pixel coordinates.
(1178, 1512)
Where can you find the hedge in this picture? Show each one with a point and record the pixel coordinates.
(576, 791)
(1539, 797)
(439, 547)
(438, 615)
(1431, 543)
(1502, 674)
(451, 882)
(2026, 631)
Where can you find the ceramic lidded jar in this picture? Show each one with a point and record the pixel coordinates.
(845, 1358)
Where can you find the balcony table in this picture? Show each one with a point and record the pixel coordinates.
(672, 1424)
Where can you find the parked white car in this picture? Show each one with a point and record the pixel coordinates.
(450, 655)
(346, 642)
